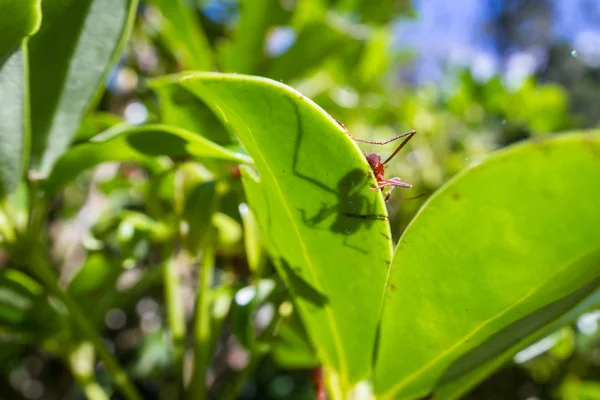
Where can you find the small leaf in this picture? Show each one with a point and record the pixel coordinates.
(247, 301)
(291, 347)
(180, 108)
(200, 205)
(253, 242)
(127, 143)
(503, 249)
(24, 307)
(77, 44)
(325, 229)
(183, 33)
(19, 19)
(246, 52)
(316, 42)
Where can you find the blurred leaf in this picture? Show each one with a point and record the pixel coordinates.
(501, 250)
(375, 58)
(253, 242)
(229, 232)
(200, 206)
(155, 356)
(315, 43)
(247, 301)
(78, 42)
(127, 143)
(24, 308)
(246, 52)
(95, 273)
(378, 12)
(95, 123)
(323, 226)
(19, 19)
(180, 108)
(14, 124)
(184, 35)
(574, 389)
(291, 347)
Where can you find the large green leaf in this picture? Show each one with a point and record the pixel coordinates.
(19, 19)
(449, 388)
(127, 143)
(503, 249)
(69, 58)
(326, 231)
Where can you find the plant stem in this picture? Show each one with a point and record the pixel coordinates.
(40, 266)
(175, 311)
(202, 331)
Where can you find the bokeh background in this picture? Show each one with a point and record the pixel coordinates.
(470, 76)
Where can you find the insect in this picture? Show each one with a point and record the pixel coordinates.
(378, 167)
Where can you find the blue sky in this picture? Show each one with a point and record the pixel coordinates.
(455, 32)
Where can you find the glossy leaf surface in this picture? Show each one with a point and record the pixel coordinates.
(14, 127)
(69, 57)
(326, 231)
(504, 248)
(19, 20)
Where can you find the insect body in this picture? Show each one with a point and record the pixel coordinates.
(378, 167)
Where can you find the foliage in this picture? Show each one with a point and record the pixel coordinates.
(241, 213)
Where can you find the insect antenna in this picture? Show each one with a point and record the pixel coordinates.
(408, 136)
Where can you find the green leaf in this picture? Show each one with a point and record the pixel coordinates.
(454, 388)
(200, 205)
(325, 229)
(291, 348)
(14, 127)
(24, 307)
(180, 108)
(253, 242)
(503, 249)
(96, 273)
(316, 42)
(247, 300)
(77, 44)
(182, 32)
(19, 19)
(246, 52)
(127, 143)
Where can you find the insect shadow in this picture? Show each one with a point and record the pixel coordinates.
(353, 206)
(300, 287)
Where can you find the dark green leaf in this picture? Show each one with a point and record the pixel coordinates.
(127, 143)
(77, 44)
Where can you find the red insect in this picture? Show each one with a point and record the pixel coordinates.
(378, 167)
